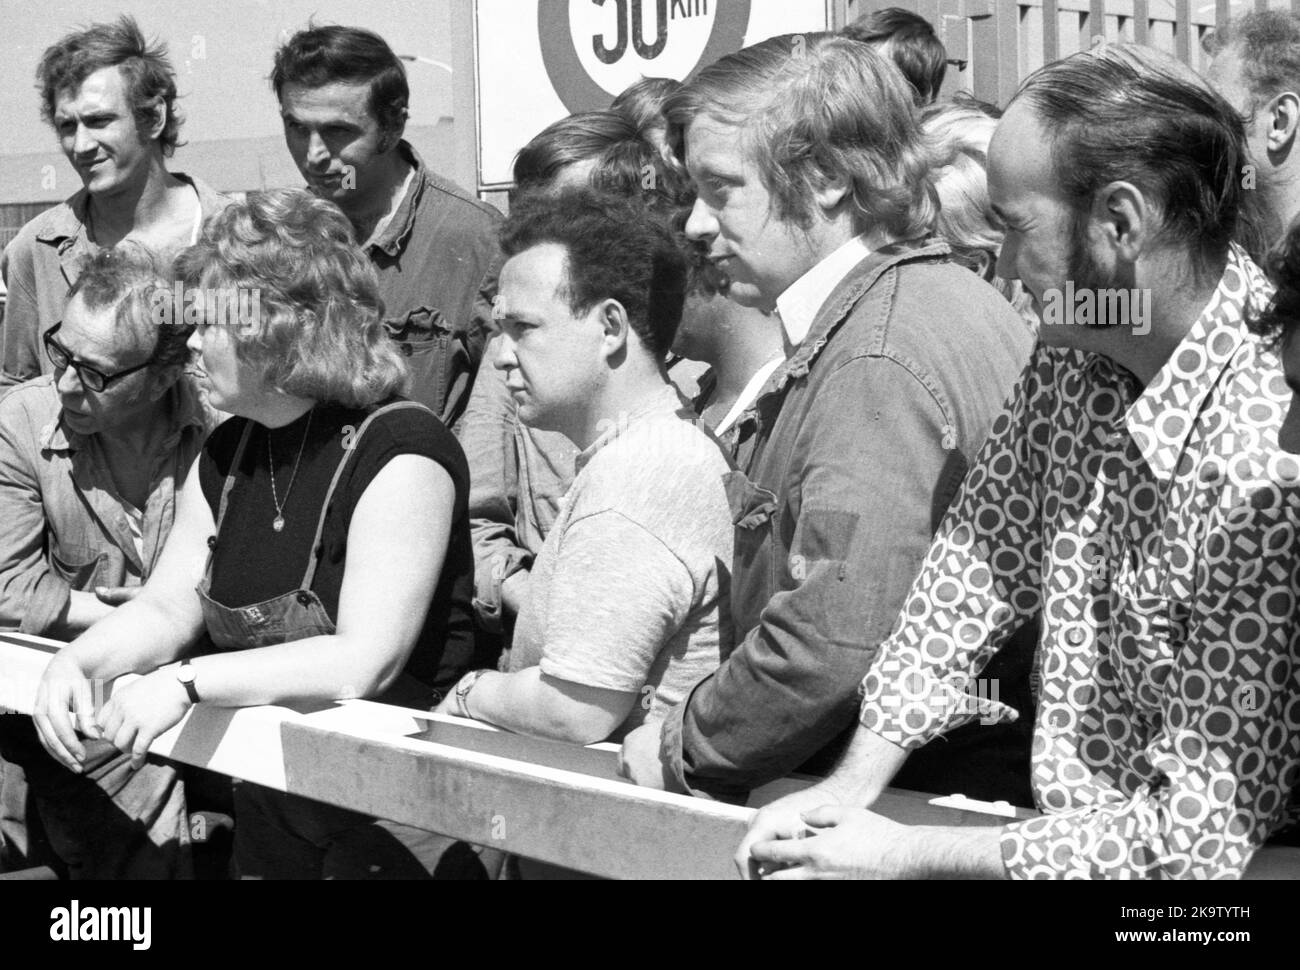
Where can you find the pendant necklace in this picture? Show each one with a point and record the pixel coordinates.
(278, 522)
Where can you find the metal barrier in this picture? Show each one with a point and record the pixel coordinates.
(546, 800)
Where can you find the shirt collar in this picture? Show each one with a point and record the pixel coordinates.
(185, 403)
(664, 402)
(68, 221)
(799, 304)
(399, 227)
(1165, 414)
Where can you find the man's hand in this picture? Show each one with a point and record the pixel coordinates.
(780, 820)
(448, 705)
(639, 759)
(117, 595)
(841, 843)
(64, 706)
(136, 715)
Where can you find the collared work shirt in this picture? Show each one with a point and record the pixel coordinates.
(1154, 533)
(65, 527)
(438, 260)
(40, 266)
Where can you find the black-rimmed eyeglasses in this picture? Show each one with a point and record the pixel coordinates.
(91, 378)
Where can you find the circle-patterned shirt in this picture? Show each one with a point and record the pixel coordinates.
(1156, 532)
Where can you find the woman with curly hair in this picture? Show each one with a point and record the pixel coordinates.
(320, 552)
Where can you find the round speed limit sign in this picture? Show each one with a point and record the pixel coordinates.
(594, 49)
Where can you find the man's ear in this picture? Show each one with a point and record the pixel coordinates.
(616, 325)
(159, 111)
(1282, 114)
(1125, 217)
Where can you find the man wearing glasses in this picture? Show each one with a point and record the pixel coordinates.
(92, 458)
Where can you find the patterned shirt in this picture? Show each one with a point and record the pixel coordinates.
(1156, 534)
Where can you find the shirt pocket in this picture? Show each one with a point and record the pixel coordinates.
(425, 338)
(752, 510)
(78, 567)
(1148, 627)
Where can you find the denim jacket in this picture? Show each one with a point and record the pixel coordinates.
(64, 527)
(850, 457)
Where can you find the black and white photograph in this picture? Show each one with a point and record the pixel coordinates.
(650, 440)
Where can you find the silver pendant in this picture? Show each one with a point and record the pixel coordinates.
(278, 524)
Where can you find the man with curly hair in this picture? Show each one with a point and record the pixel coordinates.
(110, 97)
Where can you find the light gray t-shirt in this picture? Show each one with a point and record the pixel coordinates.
(630, 590)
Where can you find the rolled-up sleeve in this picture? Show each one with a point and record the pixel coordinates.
(32, 596)
(874, 478)
(486, 433)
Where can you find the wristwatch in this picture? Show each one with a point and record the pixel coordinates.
(461, 693)
(185, 674)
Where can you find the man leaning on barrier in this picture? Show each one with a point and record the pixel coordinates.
(91, 461)
(1133, 495)
(815, 199)
(627, 601)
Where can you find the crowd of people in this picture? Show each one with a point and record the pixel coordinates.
(799, 417)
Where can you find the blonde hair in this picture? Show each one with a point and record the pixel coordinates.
(960, 132)
(811, 108)
(320, 333)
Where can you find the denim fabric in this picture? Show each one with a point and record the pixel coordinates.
(437, 262)
(39, 267)
(64, 527)
(850, 458)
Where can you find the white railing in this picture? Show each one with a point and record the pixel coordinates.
(553, 802)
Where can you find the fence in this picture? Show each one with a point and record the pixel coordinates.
(996, 44)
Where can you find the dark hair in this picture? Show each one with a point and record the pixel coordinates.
(145, 67)
(617, 249)
(910, 42)
(642, 103)
(1270, 51)
(813, 107)
(129, 279)
(1278, 323)
(580, 137)
(318, 56)
(1149, 121)
(624, 164)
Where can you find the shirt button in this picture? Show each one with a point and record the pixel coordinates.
(1075, 636)
(304, 598)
